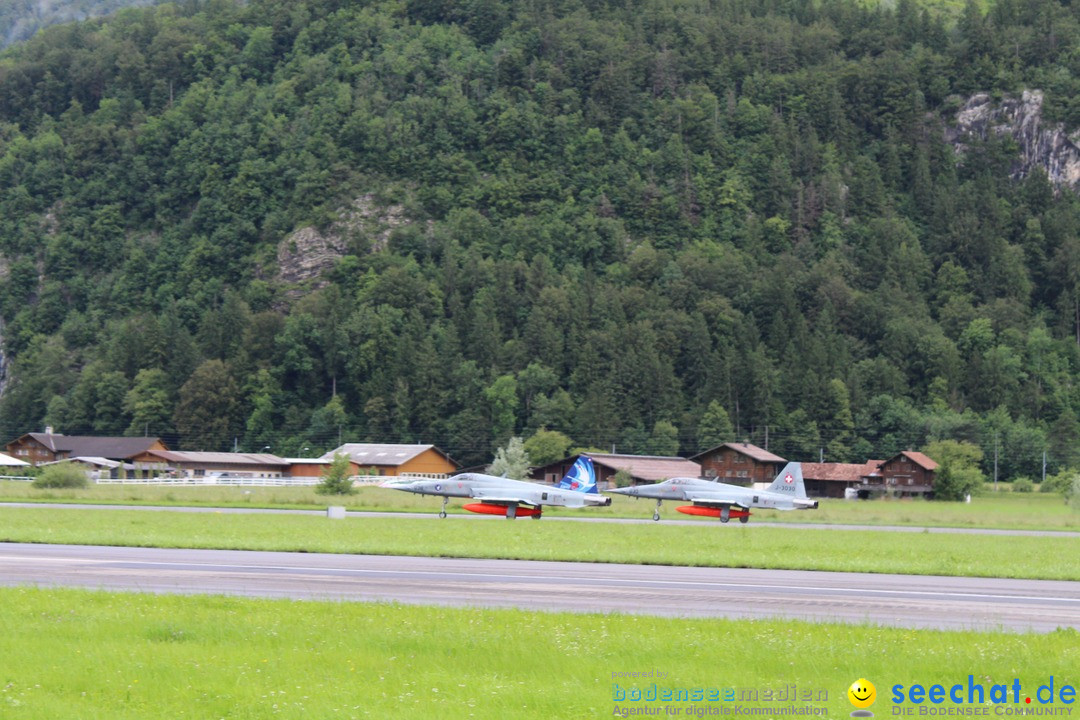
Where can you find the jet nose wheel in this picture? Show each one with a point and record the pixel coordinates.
(442, 511)
(442, 514)
(656, 515)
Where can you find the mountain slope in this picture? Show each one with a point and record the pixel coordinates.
(645, 224)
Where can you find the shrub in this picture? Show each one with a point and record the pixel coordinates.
(1060, 483)
(64, 475)
(955, 482)
(1023, 484)
(337, 480)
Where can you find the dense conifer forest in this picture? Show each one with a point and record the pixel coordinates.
(646, 224)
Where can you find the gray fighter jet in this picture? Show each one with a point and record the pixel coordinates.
(717, 499)
(511, 498)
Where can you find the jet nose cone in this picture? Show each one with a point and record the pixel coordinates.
(623, 491)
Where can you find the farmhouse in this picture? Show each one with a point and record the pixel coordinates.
(38, 448)
(907, 474)
(740, 464)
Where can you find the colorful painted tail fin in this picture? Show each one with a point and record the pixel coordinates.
(789, 481)
(582, 476)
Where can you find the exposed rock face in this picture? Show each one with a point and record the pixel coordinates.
(307, 253)
(1041, 144)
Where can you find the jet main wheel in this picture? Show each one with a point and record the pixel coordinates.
(725, 514)
(537, 516)
(744, 519)
(511, 512)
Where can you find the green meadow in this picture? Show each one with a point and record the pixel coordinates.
(1004, 510)
(713, 544)
(116, 656)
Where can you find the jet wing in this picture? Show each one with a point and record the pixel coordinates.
(715, 500)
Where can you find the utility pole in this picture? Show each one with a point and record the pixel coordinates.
(766, 437)
(1044, 467)
(821, 454)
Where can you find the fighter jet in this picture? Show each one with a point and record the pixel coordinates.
(511, 498)
(717, 499)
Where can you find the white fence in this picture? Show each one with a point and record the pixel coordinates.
(237, 481)
(214, 481)
(227, 481)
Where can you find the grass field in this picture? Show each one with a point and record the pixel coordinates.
(992, 510)
(114, 656)
(648, 543)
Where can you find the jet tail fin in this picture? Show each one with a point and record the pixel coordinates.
(581, 477)
(789, 481)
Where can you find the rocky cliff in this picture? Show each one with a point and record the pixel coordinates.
(1042, 144)
(306, 254)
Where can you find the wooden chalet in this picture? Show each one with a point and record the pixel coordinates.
(907, 474)
(740, 464)
(38, 448)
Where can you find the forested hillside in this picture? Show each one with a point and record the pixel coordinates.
(648, 224)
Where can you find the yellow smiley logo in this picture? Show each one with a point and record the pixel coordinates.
(862, 693)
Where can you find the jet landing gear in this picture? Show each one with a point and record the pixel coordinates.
(511, 512)
(442, 512)
(656, 512)
(725, 514)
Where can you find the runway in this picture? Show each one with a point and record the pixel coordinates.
(556, 518)
(894, 600)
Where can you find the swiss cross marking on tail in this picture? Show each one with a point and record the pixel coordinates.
(788, 479)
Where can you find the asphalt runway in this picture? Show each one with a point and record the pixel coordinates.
(893, 600)
(555, 518)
